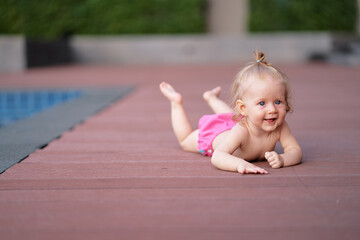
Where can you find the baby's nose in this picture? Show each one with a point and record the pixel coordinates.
(271, 108)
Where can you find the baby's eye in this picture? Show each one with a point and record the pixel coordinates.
(262, 103)
(277, 102)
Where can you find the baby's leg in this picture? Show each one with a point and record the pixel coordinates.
(180, 123)
(215, 103)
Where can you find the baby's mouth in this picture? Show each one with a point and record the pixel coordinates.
(270, 120)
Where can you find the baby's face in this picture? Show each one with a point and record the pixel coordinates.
(265, 104)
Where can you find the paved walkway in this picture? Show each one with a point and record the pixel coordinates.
(122, 175)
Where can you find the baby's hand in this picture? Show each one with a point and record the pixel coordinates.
(274, 159)
(246, 167)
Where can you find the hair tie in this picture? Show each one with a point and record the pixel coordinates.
(259, 60)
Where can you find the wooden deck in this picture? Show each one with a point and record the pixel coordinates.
(122, 175)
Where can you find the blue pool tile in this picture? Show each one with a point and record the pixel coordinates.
(16, 105)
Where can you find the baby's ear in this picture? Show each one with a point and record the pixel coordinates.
(240, 106)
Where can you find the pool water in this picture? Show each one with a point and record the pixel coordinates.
(16, 105)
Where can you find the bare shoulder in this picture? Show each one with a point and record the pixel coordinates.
(287, 139)
(240, 128)
(240, 131)
(284, 129)
(230, 140)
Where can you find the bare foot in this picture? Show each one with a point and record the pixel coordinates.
(212, 93)
(170, 93)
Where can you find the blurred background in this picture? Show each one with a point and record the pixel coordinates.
(44, 33)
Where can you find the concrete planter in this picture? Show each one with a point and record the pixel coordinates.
(12, 53)
(16, 53)
(174, 49)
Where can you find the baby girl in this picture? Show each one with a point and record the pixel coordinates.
(247, 131)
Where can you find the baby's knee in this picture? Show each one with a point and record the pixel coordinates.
(190, 143)
(188, 146)
(185, 146)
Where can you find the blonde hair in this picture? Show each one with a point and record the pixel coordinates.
(260, 69)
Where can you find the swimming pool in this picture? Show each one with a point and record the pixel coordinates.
(19, 104)
(18, 139)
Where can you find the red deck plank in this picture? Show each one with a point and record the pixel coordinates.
(122, 175)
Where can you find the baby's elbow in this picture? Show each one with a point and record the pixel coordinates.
(300, 155)
(215, 159)
(297, 150)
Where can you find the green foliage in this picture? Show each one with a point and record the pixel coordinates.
(10, 17)
(48, 19)
(139, 16)
(303, 15)
(55, 18)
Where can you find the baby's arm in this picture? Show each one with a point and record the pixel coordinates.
(292, 152)
(223, 159)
